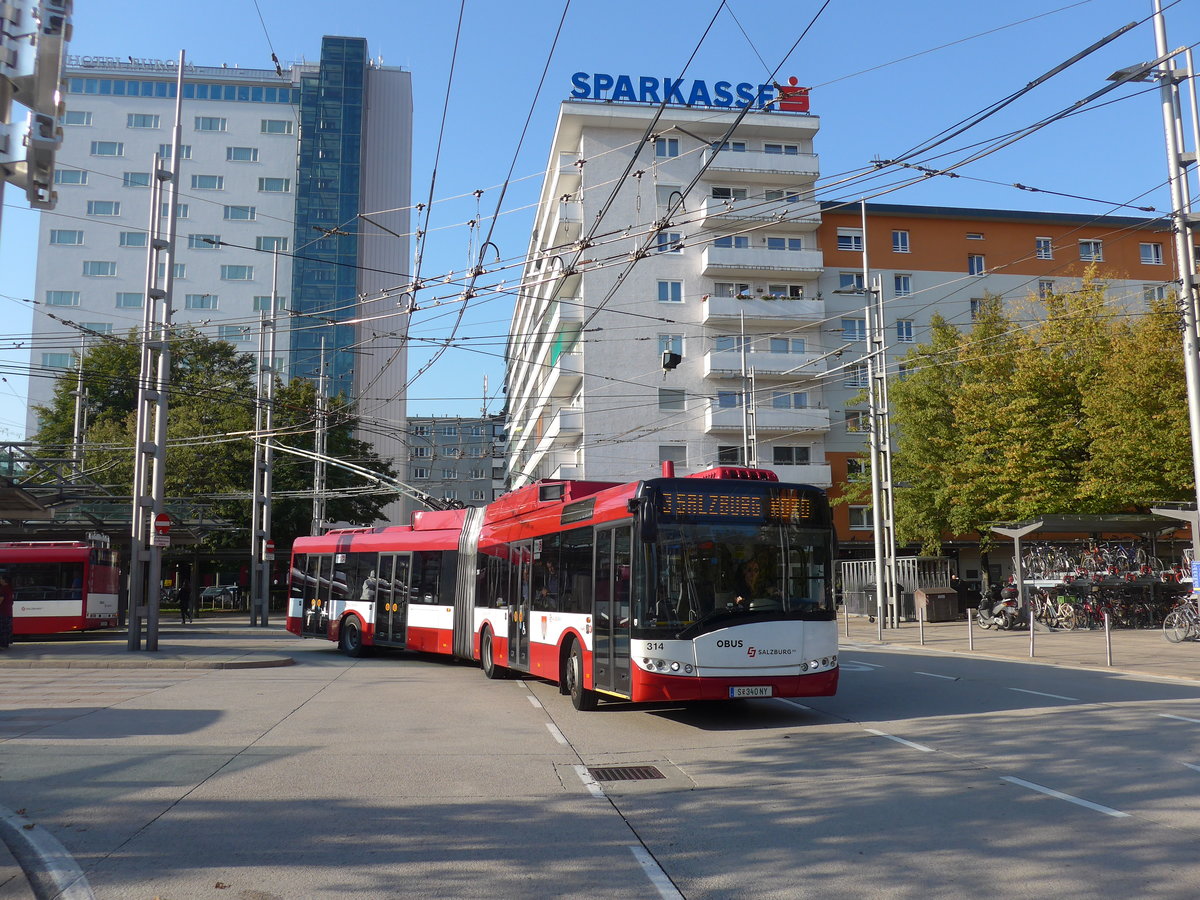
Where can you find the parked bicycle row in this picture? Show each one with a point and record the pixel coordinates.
(1062, 607)
(1102, 562)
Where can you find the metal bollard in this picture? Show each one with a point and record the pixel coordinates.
(921, 624)
(1031, 632)
(1108, 638)
(970, 632)
(847, 610)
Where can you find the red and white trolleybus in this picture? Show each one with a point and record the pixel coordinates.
(716, 585)
(60, 586)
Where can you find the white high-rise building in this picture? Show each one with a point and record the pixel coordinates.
(271, 161)
(735, 267)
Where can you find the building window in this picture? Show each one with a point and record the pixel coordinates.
(783, 196)
(1045, 248)
(450, 474)
(204, 241)
(728, 400)
(728, 193)
(274, 185)
(855, 469)
(670, 343)
(850, 239)
(856, 421)
(976, 264)
(420, 473)
(857, 377)
(791, 456)
(732, 146)
(241, 154)
(477, 494)
(728, 455)
(141, 120)
(181, 210)
(233, 334)
(976, 307)
(271, 244)
(422, 452)
(264, 303)
(100, 269)
(62, 298)
(671, 400)
(70, 176)
(782, 243)
(786, 291)
(77, 117)
(200, 301)
(276, 126)
(178, 270)
(974, 236)
(58, 361)
(208, 182)
(851, 281)
(733, 242)
(104, 207)
(241, 213)
(1091, 251)
(1045, 288)
(854, 329)
(134, 239)
(861, 518)
(900, 242)
(672, 453)
(730, 343)
(108, 148)
(730, 289)
(128, 300)
(65, 236)
(783, 149)
(670, 292)
(789, 399)
(237, 273)
(211, 123)
(136, 179)
(1152, 292)
(448, 431)
(904, 331)
(165, 150)
(98, 327)
(666, 147)
(787, 345)
(1152, 254)
(669, 242)
(902, 285)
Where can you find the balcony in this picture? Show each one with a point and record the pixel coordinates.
(759, 261)
(728, 363)
(565, 375)
(757, 166)
(767, 420)
(568, 173)
(761, 309)
(757, 210)
(569, 222)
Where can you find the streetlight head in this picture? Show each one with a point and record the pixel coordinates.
(1139, 72)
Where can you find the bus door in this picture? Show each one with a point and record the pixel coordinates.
(391, 598)
(518, 606)
(318, 579)
(613, 582)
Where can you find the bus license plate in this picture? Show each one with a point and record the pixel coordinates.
(755, 691)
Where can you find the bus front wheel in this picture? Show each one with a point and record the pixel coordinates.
(581, 698)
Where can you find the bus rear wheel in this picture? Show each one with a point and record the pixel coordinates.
(581, 698)
(487, 658)
(352, 639)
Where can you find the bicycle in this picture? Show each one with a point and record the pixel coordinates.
(1182, 623)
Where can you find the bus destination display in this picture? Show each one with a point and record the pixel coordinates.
(785, 505)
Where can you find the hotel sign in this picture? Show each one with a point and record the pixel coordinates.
(788, 97)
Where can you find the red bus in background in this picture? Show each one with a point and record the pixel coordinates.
(632, 591)
(60, 586)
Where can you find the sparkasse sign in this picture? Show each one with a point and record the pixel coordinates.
(788, 97)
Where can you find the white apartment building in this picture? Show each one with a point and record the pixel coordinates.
(735, 269)
(270, 161)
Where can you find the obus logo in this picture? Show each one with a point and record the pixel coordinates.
(788, 97)
(729, 644)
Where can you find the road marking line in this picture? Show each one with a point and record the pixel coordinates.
(1042, 694)
(46, 863)
(589, 782)
(1108, 811)
(1193, 766)
(872, 665)
(933, 675)
(795, 704)
(657, 876)
(1180, 718)
(898, 740)
(534, 700)
(556, 734)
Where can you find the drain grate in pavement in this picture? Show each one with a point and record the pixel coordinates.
(625, 773)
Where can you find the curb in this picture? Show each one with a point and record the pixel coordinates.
(261, 663)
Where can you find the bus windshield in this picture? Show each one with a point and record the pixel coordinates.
(704, 574)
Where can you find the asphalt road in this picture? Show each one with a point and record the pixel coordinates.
(928, 776)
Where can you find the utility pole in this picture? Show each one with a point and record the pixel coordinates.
(749, 423)
(262, 548)
(150, 451)
(80, 402)
(318, 504)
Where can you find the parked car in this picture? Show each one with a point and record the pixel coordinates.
(223, 596)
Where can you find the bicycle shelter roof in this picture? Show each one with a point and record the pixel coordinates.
(1096, 525)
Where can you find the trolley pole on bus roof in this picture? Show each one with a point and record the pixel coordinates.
(150, 529)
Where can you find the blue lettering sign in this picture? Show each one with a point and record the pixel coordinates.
(699, 94)
(721, 95)
(649, 88)
(624, 89)
(671, 91)
(745, 93)
(600, 84)
(582, 90)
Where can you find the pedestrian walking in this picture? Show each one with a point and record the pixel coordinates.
(6, 611)
(184, 591)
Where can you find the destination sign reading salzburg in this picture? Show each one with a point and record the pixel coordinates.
(778, 506)
(788, 97)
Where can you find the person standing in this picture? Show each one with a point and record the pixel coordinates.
(6, 611)
(184, 590)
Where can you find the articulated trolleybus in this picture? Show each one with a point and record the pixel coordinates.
(60, 586)
(712, 586)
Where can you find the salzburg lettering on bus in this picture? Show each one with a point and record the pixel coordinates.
(678, 503)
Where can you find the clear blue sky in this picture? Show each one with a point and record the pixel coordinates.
(885, 77)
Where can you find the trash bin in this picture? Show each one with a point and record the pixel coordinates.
(938, 604)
